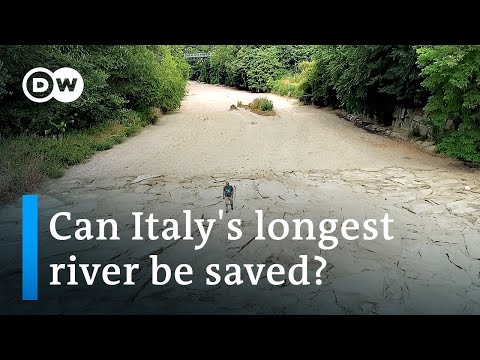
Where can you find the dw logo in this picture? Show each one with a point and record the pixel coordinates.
(65, 85)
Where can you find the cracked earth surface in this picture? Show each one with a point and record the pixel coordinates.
(303, 163)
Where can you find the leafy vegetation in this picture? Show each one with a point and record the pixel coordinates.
(260, 106)
(295, 84)
(249, 67)
(117, 78)
(370, 79)
(28, 160)
(452, 75)
(122, 86)
(463, 144)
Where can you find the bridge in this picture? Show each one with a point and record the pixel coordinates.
(196, 56)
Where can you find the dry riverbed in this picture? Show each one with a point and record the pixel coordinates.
(303, 163)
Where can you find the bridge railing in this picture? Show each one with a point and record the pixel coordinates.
(195, 56)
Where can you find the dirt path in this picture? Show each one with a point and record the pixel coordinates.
(305, 163)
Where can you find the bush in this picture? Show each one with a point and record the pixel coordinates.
(463, 144)
(262, 104)
(26, 160)
(117, 78)
(297, 84)
(266, 106)
(287, 85)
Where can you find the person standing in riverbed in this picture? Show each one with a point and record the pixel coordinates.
(228, 194)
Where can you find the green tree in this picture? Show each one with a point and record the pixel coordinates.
(260, 67)
(292, 55)
(117, 79)
(452, 74)
(252, 67)
(369, 79)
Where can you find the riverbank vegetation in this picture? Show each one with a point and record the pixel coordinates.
(125, 89)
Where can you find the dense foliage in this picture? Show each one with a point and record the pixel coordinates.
(296, 84)
(249, 67)
(118, 79)
(369, 79)
(452, 74)
(122, 86)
